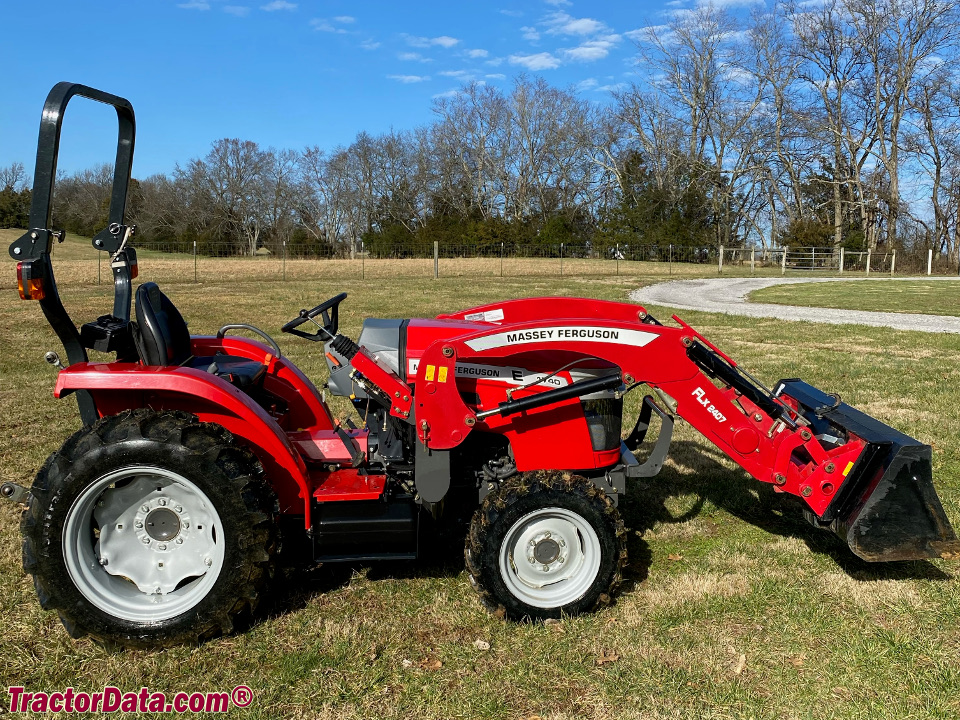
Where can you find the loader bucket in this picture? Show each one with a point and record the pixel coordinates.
(887, 508)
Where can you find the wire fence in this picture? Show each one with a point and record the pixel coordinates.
(209, 263)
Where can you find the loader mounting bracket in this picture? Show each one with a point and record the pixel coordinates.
(614, 483)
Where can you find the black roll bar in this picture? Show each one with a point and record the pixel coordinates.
(36, 244)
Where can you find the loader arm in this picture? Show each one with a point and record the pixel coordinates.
(659, 356)
(778, 439)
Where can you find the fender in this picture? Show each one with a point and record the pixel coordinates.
(283, 378)
(121, 386)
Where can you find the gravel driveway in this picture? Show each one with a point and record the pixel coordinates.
(729, 295)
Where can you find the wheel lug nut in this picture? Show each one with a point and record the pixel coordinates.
(161, 546)
(547, 535)
(533, 561)
(138, 524)
(162, 501)
(146, 541)
(159, 590)
(179, 541)
(186, 525)
(208, 562)
(145, 508)
(103, 561)
(179, 508)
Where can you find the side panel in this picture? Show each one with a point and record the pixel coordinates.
(121, 386)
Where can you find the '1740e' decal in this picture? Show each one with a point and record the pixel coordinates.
(507, 374)
(496, 373)
(566, 333)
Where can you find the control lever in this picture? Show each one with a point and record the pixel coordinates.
(352, 446)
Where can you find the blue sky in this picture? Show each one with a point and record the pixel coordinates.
(288, 73)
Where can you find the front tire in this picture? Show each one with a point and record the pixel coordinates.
(150, 529)
(545, 545)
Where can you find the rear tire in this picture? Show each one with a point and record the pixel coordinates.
(150, 529)
(545, 545)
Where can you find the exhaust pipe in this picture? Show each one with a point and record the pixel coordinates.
(887, 507)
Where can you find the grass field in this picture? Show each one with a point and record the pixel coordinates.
(933, 297)
(733, 607)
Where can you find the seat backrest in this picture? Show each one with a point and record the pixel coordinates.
(164, 337)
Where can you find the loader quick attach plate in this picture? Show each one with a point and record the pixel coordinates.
(887, 508)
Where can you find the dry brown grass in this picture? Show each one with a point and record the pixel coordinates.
(717, 571)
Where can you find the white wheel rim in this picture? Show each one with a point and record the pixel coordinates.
(550, 558)
(143, 544)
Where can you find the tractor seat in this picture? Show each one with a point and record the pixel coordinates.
(165, 341)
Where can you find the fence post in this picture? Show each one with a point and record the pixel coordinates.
(561, 259)
(618, 259)
(671, 258)
(501, 259)
(929, 260)
(98, 268)
(363, 263)
(753, 259)
(194, 261)
(868, 261)
(893, 262)
(783, 260)
(436, 259)
(284, 260)
(841, 261)
(720, 261)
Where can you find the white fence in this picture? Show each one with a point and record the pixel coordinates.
(831, 260)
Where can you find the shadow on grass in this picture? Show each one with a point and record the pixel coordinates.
(708, 480)
(441, 556)
(701, 474)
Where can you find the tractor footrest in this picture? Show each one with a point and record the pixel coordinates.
(343, 485)
(327, 446)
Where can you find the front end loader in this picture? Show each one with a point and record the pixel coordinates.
(161, 520)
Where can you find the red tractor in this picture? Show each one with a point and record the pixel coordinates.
(160, 521)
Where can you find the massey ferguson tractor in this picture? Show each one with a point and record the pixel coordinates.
(160, 521)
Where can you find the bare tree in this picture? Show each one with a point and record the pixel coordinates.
(13, 177)
(469, 147)
(902, 39)
(326, 196)
(234, 174)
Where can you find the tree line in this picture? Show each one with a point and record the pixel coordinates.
(807, 124)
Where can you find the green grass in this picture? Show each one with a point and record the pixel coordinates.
(720, 567)
(931, 297)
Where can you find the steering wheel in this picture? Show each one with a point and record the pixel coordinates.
(329, 311)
